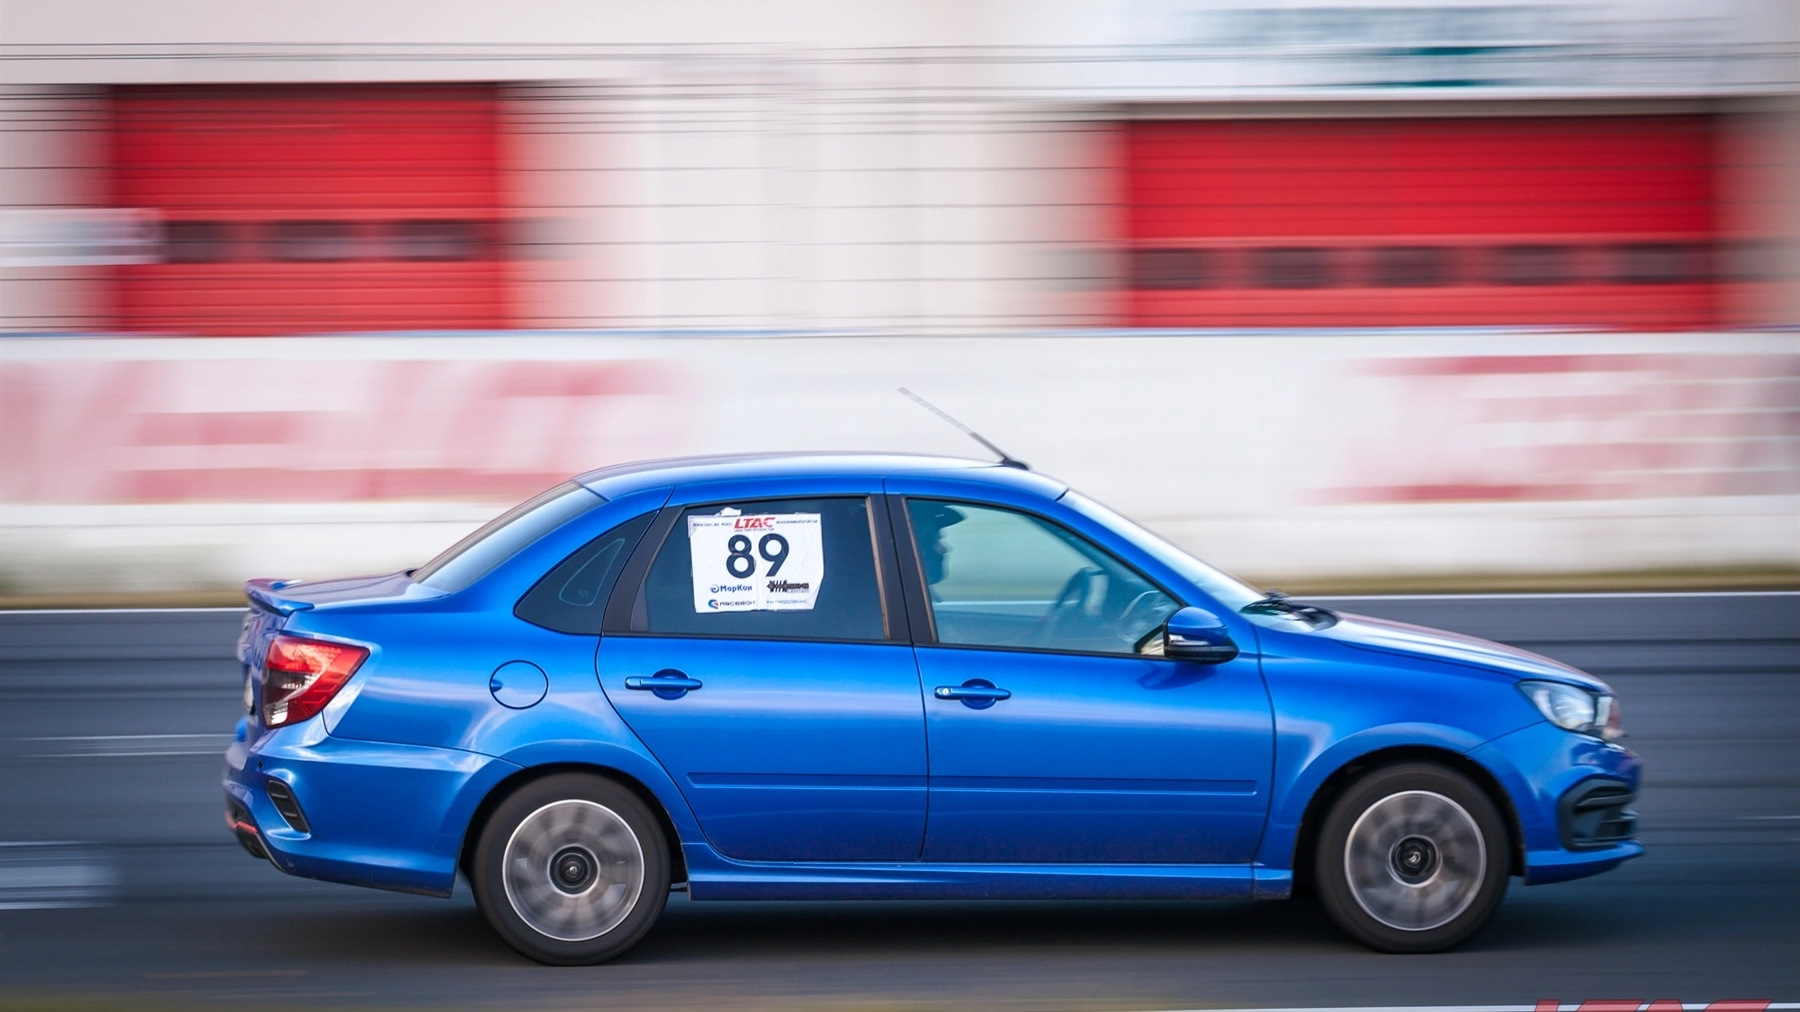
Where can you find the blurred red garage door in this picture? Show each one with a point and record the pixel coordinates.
(289, 209)
(1603, 221)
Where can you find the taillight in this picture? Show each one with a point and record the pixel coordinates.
(302, 675)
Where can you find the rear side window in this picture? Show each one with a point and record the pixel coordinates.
(572, 597)
(501, 538)
(766, 569)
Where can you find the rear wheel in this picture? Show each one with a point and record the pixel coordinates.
(1412, 858)
(571, 869)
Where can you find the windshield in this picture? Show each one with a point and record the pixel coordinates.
(501, 538)
(1227, 590)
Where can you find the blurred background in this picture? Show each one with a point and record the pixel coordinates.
(1345, 296)
(1423, 294)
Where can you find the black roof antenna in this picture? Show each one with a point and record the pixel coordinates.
(1006, 459)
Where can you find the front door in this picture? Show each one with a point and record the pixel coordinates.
(762, 669)
(1056, 732)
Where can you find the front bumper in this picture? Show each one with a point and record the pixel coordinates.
(375, 814)
(1571, 795)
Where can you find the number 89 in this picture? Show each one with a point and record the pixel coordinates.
(741, 564)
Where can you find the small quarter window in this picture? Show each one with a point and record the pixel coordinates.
(572, 597)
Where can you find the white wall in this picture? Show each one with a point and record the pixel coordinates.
(1349, 456)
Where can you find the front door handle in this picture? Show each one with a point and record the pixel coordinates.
(976, 693)
(666, 684)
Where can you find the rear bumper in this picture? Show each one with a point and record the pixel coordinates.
(243, 826)
(375, 814)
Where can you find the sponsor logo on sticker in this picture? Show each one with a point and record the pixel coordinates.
(734, 588)
(753, 523)
(788, 587)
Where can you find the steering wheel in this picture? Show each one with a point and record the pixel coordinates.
(1139, 609)
(1066, 606)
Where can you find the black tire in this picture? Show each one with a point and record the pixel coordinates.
(589, 869)
(1412, 858)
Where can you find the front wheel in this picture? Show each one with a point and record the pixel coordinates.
(1412, 858)
(571, 869)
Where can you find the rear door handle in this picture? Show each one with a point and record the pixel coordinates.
(667, 683)
(652, 684)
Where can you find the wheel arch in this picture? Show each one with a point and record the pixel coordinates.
(1333, 787)
(497, 794)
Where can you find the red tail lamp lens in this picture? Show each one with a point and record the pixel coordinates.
(302, 675)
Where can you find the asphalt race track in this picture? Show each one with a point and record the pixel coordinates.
(117, 876)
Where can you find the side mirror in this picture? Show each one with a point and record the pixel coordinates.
(1195, 634)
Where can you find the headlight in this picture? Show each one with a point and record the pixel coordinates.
(1576, 709)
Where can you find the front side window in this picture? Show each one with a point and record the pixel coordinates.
(998, 578)
(766, 569)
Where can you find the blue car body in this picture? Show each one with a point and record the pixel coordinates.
(830, 769)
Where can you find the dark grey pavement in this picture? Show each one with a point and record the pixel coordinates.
(111, 724)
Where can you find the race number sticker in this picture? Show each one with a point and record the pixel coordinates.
(771, 562)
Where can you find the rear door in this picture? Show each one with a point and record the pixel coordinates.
(756, 646)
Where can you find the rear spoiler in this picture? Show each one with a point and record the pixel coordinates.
(267, 594)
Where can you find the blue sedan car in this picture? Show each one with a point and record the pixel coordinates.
(867, 676)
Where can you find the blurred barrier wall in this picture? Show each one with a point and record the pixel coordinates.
(1355, 289)
(150, 464)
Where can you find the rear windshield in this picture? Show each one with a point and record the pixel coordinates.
(502, 537)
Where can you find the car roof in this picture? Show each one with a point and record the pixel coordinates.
(623, 479)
